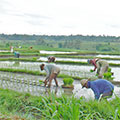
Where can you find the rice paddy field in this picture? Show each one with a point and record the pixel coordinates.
(82, 71)
(44, 103)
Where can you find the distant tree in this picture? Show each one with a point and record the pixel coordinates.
(60, 45)
(8, 44)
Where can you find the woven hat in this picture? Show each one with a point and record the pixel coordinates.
(83, 82)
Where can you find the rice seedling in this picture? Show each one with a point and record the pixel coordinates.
(108, 75)
(68, 83)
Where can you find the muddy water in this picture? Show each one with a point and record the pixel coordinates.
(30, 84)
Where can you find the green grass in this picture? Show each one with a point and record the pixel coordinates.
(46, 55)
(21, 71)
(33, 59)
(20, 59)
(36, 73)
(57, 108)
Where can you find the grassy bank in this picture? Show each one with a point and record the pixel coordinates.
(37, 55)
(44, 74)
(20, 59)
(36, 73)
(78, 57)
(56, 108)
(60, 62)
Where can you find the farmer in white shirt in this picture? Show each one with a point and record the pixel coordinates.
(52, 72)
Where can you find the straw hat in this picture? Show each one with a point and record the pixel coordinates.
(83, 82)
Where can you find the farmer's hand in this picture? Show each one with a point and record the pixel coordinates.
(100, 76)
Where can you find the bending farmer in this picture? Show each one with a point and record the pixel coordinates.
(101, 66)
(52, 72)
(17, 54)
(99, 87)
(51, 59)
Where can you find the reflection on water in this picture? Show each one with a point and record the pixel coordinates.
(16, 63)
(4, 51)
(108, 56)
(68, 91)
(30, 84)
(48, 91)
(54, 52)
(100, 55)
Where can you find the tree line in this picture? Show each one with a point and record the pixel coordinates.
(60, 37)
(80, 42)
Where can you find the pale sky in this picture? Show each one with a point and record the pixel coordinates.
(60, 17)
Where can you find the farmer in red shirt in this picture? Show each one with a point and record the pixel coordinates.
(101, 66)
(51, 59)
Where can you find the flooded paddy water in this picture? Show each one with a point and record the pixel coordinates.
(77, 60)
(55, 52)
(30, 83)
(73, 70)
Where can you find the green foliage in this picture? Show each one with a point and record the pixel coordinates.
(34, 58)
(68, 81)
(96, 74)
(105, 47)
(109, 69)
(91, 70)
(76, 42)
(21, 71)
(108, 75)
(41, 81)
(57, 108)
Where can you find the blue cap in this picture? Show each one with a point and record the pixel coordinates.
(89, 61)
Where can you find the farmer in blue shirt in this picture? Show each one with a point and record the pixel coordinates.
(17, 54)
(99, 87)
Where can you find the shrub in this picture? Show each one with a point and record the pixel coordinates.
(68, 81)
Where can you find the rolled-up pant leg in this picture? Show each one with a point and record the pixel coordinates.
(102, 71)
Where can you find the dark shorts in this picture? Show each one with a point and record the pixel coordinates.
(106, 95)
